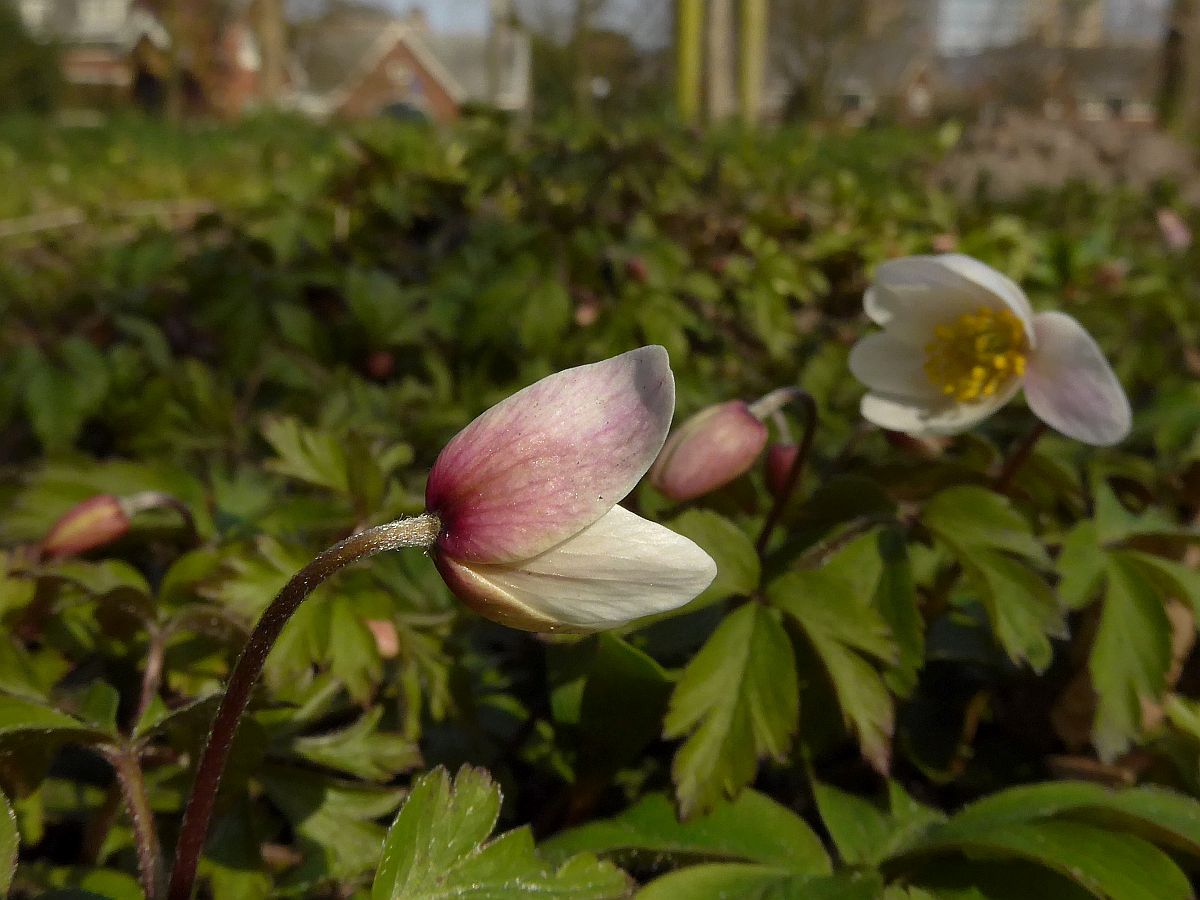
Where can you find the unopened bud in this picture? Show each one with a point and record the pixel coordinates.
(87, 525)
(780, 460)
(387, 639)
(1175, 232)
(708, 451)
(635, 268)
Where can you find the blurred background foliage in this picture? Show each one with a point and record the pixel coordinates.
(280, 325)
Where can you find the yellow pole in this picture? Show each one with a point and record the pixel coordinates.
(689, 22)
(753, 60)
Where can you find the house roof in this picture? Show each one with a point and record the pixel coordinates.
(334, 52)
(87, 22)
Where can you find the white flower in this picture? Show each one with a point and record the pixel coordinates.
(960, 339)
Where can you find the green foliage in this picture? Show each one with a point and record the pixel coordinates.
(279, 325)
(439, 847)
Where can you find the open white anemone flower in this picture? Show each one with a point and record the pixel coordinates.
(531, 536)
(960, 339)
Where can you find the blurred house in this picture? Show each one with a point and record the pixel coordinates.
(356, 60)
(116, 51)
(911, 61)
(360, 60)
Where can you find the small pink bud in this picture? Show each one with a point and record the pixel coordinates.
(387, 639)
(1175, 232)
(93, 523)
(780, 459)
(635, 268)
(381, 364)
(945, 242)
(709, 450)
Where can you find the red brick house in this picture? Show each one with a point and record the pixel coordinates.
(360, 61)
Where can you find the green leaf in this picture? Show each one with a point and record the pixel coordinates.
(1110, 865)
(1130, 656)
(738, 568)
(753, 882)
(99, 706)
(1156, 814)
(316, 457)
(1173, 579)
(1080, 566)
(438, 847)
(833, 607)
(361, 750)
(737, 701)
(864, 834)
(1020, 605)
(1114, 523)
(971, 518)
(624, 699)
(19, 717)
(333, 821)
(896, 599)
(751, 828)
(9, 844)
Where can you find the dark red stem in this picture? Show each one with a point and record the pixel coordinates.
(420, 531)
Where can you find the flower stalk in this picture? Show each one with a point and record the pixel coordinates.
(1019, 456)
(128, 769)
(809, 405)
(419, 531)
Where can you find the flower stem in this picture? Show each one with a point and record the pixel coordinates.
(420, 531)
(1017, 458)
(128, 768)
(806, 401)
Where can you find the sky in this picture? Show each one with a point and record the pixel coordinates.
(647, 20)
(962, 24)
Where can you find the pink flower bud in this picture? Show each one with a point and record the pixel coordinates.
(1175, 232)
(531, 535)
(708, 451)
(780, 459)
(387, 639)
(93, 523)
(946, 242)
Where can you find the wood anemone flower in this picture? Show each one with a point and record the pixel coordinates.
(960, 339)
(531, 536)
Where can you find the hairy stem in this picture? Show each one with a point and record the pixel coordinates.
(809, 405)
(1019, 456)
(128, 768)
(152, 674)
(420, 531)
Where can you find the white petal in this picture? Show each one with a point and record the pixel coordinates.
(914, 417)
(995, 283)
(914, 294)
(620, 568)
(891, 366)
(1070, 385)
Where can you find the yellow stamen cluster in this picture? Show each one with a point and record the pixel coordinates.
(970, 358)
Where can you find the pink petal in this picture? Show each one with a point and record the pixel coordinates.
(550, 460)
(709, 450)
(1070, 385)
(622, 567)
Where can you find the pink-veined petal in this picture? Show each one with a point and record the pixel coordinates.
(620, 568)
(894, 367)
(922, 419)
(1070, 385)
(551, 459)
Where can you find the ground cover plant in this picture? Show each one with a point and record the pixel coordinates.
(927, 666)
